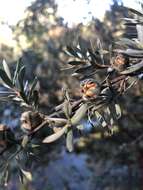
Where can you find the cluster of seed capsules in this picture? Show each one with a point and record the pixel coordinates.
(91, 89)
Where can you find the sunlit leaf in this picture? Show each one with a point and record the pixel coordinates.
(6, 69)
(16, 71)
(35, 145)
(6, 178)
(55, 136)
(21, 75)
(27, 174)
(72, 51)
(25, 141)
(58, 122)
(80, 127)
(134, 53)
(100, 119)
(6, 80)
(80, 114)
(26, 87)
(20, 175)
(127, 42)
(67, 108)
(118, 111)
(133, 68)
(135, 11)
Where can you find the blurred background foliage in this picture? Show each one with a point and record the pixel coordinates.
(40, 39)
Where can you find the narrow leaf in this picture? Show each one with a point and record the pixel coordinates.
(6, 69)
(20, 175)
(34, 83)
(16, 71)
(100, 119)
(133, 68)
(55, 136)
(135, 11)
(24, 141)
(76, 62)
(5, 79)
(58, 122)
(80, 127)
(72, 51)
(69, 140)
(118, 111)
(82, 45)
(27, 174)
(80, 113)
(21, 75)
(67, 108)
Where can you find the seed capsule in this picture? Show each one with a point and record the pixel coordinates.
(120, 62)
(30, 120)
(6, 136)
(90, 89)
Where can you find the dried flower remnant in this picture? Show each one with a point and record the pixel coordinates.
(120, 62)
(90, 89)
(30, 120)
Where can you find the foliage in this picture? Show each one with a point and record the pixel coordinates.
(104, 74)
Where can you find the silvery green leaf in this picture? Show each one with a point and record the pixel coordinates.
(16, 72)
(86, 71)
(7, 93)
(139, 28)
(58, 122)
(100, 48)
(6, 177)
(24, 141)
(129, 19)
(23, 104)
(20, 175)
(27, 174)
(6, 81)
(67, 109)
(34, 83)
(80, 127)
(72, 51)
(100, 119)
(35, 145)
(111, 121)
(69, 140)
(127, 42)
(26, 87)
(55, 136)
(6, 69)
(17, 99)
(79, 114)
(139, 13)
(131, 52)
(69, 70)
(133, 68)
(118, 111)
(83, 47)
(21, 75)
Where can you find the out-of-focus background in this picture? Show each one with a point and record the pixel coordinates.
(38, 31)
